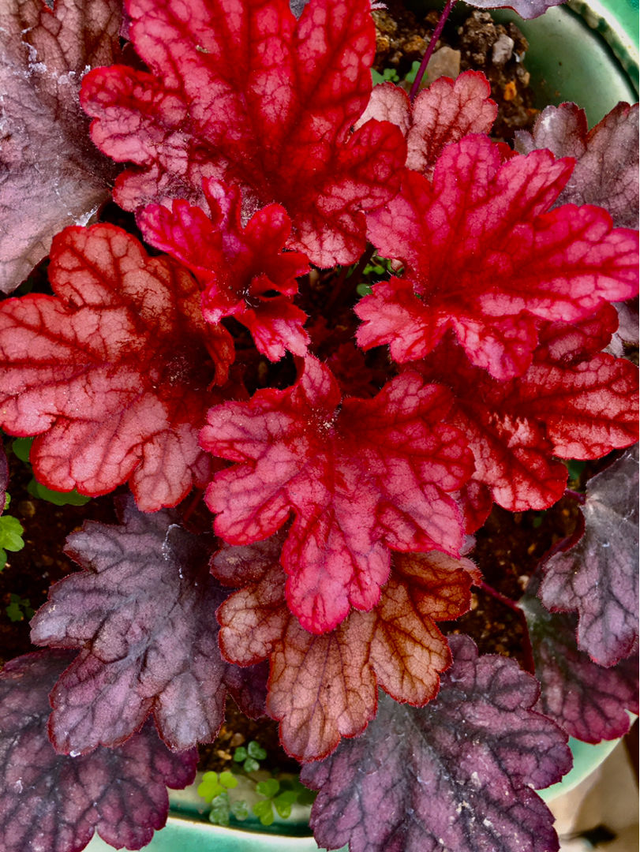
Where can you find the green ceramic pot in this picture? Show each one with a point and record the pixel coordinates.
(586, 52)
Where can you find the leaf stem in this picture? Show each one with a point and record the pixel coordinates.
(527, 647)
(576, 495)
(430, 48)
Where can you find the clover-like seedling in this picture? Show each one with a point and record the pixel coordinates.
(19, 608)
(214, 790)
(10, 535)
(250, 756)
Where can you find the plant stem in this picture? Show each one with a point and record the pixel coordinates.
(430, 48)
(527, 647)
(577, 495)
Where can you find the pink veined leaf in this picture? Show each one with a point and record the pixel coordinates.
(242, 92)
(589, 701)
(360, 475)
(50, 173)
(606, 156)
(456, 774)
(141, 613)
(444, 113)
(525, 8)
(322, 688)
(57, 802)
(238, 267)
(485, 258)
(572, 410)
(112, 374)
(598, 575)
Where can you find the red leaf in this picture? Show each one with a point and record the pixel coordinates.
(361, 476)
(598, 577)
(54, 802)
(238, 266)
(242, 92)
(325, 687)
(456, 774)
(444, 113)
(50, 173)
(141, 613)
(484, 259)
(577, 410)
(606, 156)
(590, 702)
(112, 373)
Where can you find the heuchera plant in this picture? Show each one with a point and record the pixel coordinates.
(347, 447)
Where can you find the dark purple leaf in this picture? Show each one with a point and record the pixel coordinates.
(143, 614)
(598, 576)
(456, 774)
(525, 8)
(54, 803)
(606, 157)
(51, 175)
(587, 700)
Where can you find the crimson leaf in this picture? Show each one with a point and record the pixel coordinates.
(456, 774)
(324, 687)
(361, 476)
(598, 576)
(587, 700)
(578, 409)
(484, 257)
(238, 266)
(142, 614)
(113, 372)
(53, 802)
(50, 173)
(243, 92)
(445, 112)
(606, 156)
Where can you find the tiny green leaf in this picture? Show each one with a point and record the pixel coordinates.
(240, 754)
(210, 788)
(250, 765)
(228, 779)
(240, 810)
(220, 810)
(58, 498)
(268, 788)
(264, 811)
(21, 448)
(256, 751)
(19, 608)
(11, 533)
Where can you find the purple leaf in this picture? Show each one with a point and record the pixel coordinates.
(525, 8)
(456, 774)
(598, 576)
(606, 157)
(143, 613)
(587, 700)
(55, 803)
(50, 173)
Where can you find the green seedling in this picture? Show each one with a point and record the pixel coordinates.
(250, 756)
(389, 75)
(10, 535)
(19, 609)
(214, 790)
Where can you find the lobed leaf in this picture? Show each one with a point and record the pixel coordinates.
(242, 92)
(142, 615)
(570, 409)
(55, 802)
(322, 688)
(361, 477)
(597, 576)
(485, 259)
(606, 156)
(112, 374)
(239, 267)
(456, 774)
(444, 113)
(587, 700)
(50, 173)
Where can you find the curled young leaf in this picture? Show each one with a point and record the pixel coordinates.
(456, 774)
(142, 615)
(244, 93)
(362, 476)
(239, 267)
(113, 373)
(56, 802)
(322, 688)
(50, 173)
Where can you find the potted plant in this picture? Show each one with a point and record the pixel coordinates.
(348, 324)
